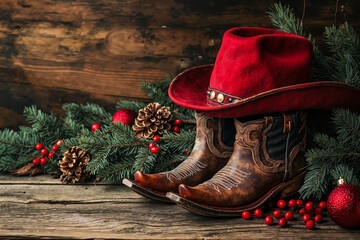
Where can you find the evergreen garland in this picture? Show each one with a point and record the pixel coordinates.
(334, 154)
(115, 151)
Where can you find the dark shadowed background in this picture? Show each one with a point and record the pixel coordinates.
(58, 51)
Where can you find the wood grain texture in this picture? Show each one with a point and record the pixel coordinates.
(42, 208)
(53, 52)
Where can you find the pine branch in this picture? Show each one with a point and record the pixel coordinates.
(16, 145)
(32, 113)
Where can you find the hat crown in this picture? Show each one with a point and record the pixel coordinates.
(257, 60)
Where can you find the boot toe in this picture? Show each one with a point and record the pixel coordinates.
(141, 178)
(185, 191)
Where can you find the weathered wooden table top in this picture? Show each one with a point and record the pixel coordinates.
(41, 207)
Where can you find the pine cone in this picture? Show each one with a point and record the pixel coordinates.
(152, 120)
(73, 165)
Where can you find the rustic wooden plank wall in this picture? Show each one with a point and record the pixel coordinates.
(58, 51)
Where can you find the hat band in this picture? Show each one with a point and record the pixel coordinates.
(216, 97)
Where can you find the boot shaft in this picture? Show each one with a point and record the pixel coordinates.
(277, 142)
(218, 134)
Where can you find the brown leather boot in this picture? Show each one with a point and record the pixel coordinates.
(209, 155)
(268, 159)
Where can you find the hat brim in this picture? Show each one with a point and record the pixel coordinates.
(189, 88)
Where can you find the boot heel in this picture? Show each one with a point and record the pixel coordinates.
(293, 187)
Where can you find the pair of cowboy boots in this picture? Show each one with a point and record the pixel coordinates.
(236, 165)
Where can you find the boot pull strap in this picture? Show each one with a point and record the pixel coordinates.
(287, 122)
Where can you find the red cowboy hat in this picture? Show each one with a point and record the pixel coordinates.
(259, 71)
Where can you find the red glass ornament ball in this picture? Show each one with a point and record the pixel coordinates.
(55, 148)
(246, 215)
(50, 155)
(306, 217)
(36, 161)
(309, 206)
(322, 205)
(310, 224)
(302, 211)
(176, 129)
(186, 151)
(292, 203)
(155, 149)
(343, 205)
(43, 161)
(277, 214)
(258, 213)
(156, 138)
(59, 142)
(151, 145)
(318, 218)
(125, 116)
(289, 215)
(318, 211)
(95, 127)
(299, 202)
(283, 222)
(269, 220)
(178, 121)
(39, 146)
(281, 203)
(44, 152)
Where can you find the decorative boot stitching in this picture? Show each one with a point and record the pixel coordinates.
(227, 178)
(185, 170)
(209, 133)
(258, 146)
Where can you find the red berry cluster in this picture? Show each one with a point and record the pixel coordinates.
(45, 153)
(153, 148)
(177, 128)
(306, 213)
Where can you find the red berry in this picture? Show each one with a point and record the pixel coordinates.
(51, 154)
(306, 217)
(95, 127)
(178, 121)
(155, 149)
(39, 146)
(318, 218)
(281, 203)
(246, 215)
(318, 211)
(151, 145)
(269, 220)
(289, 215)
(322, 205)
(176, 129)
(55, 147)
(156, 138)
(299, 202)
(277, 214)
(302, 211)
(36, 161)
(43, 161)
(186, 151)
(309, 206)
(60, 142)
(258, 213)
(44, 152)
(283, 222)
(292, 203)
(310, 224)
